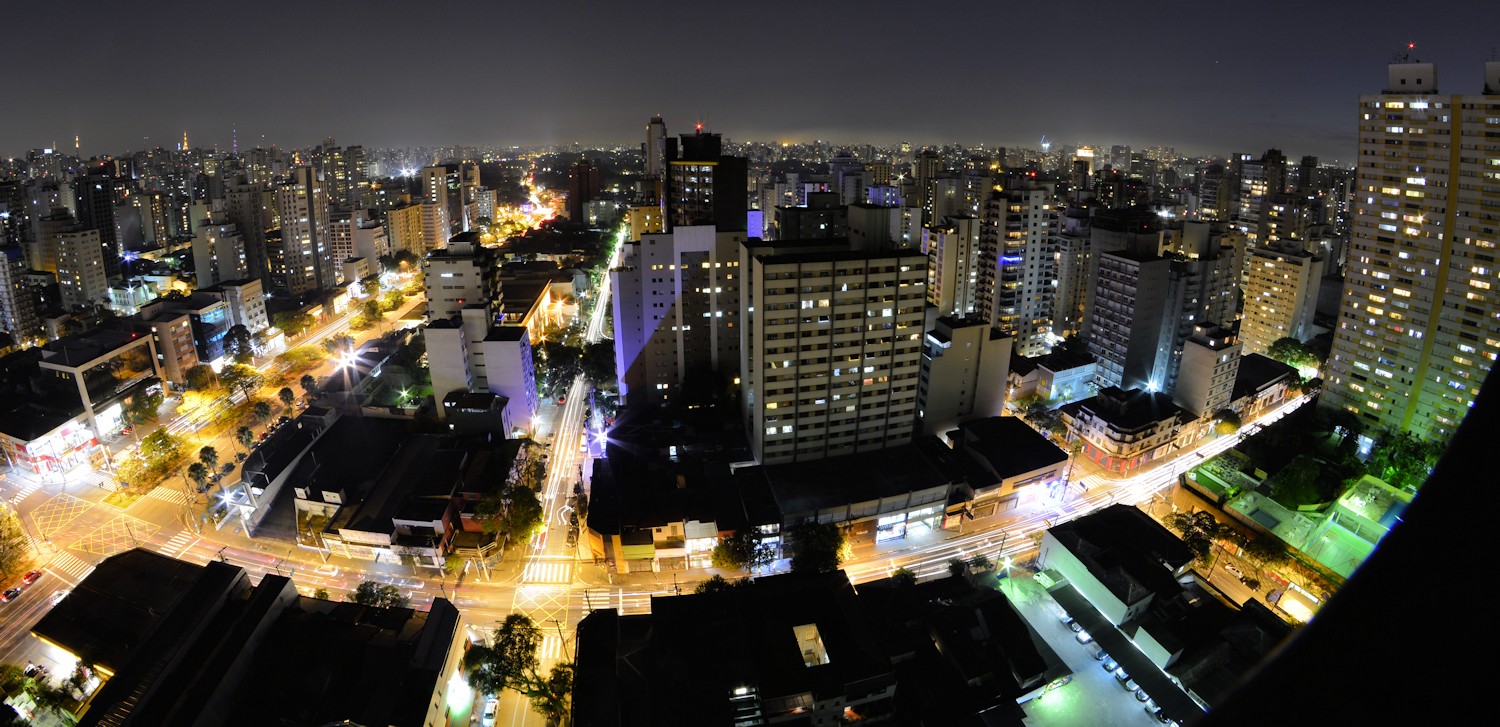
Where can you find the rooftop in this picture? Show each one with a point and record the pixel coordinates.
(1009, 446)
(1131, 554)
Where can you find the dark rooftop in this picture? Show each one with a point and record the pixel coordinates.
(1128, 552)
(1257, 372)
(1127, 410)
(803, 487)
(1009, 446)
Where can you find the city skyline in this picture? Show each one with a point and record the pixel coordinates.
(1282, 79)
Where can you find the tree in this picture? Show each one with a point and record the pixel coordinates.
(716, 584)
(511, 663)
(338, 345)
(1294, 353)
(143, 406)
(292, 323)
(209, 457)
(393, 300)
(199, 378)
(287, 396)
(818, 547)
(160, 447)
(373, 593)
(1266, 552)
(512, 511)
(599, 363)
(1197, 530)
(407, 259)
(13, 544)
(261, 411)
(742, 551)
(957, 567)
(1075, 347)
(239, 344)
(1226, 421)
(980, 562)
(198, 473)
(309, 385)
(321, 594)
(242, 378)
(245, 436)
(903, 577)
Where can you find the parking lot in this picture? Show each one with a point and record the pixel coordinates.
(1094, 697)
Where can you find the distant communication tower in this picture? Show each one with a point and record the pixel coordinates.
(1046, 145)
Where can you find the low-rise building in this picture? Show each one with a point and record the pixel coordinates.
(176, 644)
(1122, 430)
(1006, 464)
(1260, 384)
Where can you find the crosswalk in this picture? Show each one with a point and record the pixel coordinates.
(69, 567)
(165, 493)
(548, 571)
(27, 488)
(179, 542)
(552, 648)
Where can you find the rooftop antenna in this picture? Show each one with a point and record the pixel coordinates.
(234, 139)
(1405, 55)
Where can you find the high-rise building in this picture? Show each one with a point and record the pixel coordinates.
(1202, 290)
(306, 262)
(1017, 263)
(1419, 321)
(81, 280)
(1281, 295)
(470, 353)
(830, 345)
(218, 251)
(952, 250)
(656, 147)
(17, 303)
(1114, 230)
(823, 216)
(436, 224)
(1205, 380)
(95, 210)
(403, 228)
(676, 310)
(1125, 317)
(705, 187)
(965, 370)
(583, 187)
(252, 210)
(461, 273)
(1074, 250)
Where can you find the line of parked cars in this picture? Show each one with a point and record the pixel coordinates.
(1113, 667)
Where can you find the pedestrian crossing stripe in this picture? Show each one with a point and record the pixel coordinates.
(69, 567)
(552, 648)
(548, 572)
(179, 542)
(25, 492)
(168, 494)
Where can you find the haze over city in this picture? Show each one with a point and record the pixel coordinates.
(1206, 78)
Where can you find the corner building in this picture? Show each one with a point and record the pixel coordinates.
(1419, 321)
(831, 348)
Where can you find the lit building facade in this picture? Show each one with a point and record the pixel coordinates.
(1419, 321)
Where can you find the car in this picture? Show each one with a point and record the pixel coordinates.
(126, 430)
(562, 399)
(1098, 652)
(263, 436)
(572, 538)
(1121, 676)
(1110, 664)
(1234, 570)
(9, 595)
(1075, 627)
(1141, 696)
(241, 456)
(31, 577)
(282, 420)
(1083, 637)
(1130, 685)
(490, 705)
(58, 596)
(583, 446)
(1156, 713)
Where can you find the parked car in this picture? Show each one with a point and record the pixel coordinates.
(562, 399)
(1141, 696)
(490, 705)
(240, 456)
(1156, 712)
(1121, 676)
(58, 596)
(1074, 626)
(31, 577)
(1234, 570)
(1083, 637)
(282, 420)
(1110, 664)
(9, 595)
(126, 431)
(572, 538)
(1130, 685)
(1098, 652)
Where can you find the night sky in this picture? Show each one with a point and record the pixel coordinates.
(1205, 77)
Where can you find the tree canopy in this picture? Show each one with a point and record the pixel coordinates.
(373, 593)
(742, 551)
(510, 662)
(817, 547)
(512, 512)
